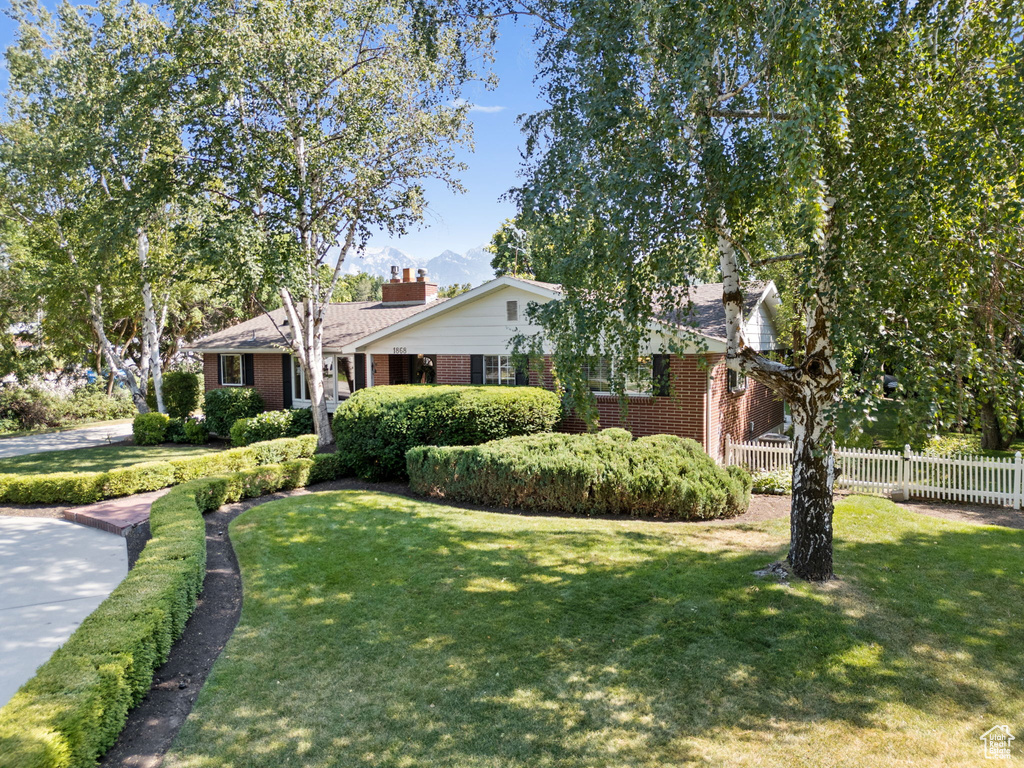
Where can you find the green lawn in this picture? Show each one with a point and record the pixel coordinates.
(381, 631)
(96, 459)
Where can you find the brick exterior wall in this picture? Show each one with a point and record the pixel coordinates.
(453, 369)
(681, 413)
(741, 415)
(269, 380)
(211, 376)
(268, 377)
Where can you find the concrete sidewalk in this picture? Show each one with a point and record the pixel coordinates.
(52, 575)
(81, 437)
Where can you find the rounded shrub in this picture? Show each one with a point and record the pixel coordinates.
(196, 432)
(375, 427)
(150, 428)
(272, 425)
(182, 390)
(592, 474)
(224, 406)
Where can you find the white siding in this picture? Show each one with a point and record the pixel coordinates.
(477, 327)
(480, 327)
(759, 330)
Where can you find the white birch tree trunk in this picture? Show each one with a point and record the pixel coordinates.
(114, 359)
(305, 318)
(810, 387)
(150, 327)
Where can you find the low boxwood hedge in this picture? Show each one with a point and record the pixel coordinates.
(606, 473)
(375, 427)
(90, 487)
(72, 711)
(270, 425)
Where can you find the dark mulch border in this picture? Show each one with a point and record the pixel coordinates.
(154, 723)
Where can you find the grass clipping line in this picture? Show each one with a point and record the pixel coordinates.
(90, 487)
(72, 711)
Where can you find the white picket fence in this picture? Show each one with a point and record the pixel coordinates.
(978, 479)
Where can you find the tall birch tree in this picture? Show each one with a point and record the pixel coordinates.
(324, 119)
(89, 154)
(769, 132)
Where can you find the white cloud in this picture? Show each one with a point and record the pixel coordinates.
(478, 107)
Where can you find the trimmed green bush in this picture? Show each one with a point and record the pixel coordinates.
(150, 428)
(182, 392)
(196, 432)
(597, 474)
(271, 425)
(375, 427)
(90, 487)
(72, 711)
(189, 430)
(224, 406)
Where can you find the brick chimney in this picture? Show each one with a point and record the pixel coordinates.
(404, 291)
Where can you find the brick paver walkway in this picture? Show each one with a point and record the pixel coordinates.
(115, 515)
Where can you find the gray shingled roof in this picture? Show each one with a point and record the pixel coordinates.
(343, 324)
(706, 313)
(350, 321)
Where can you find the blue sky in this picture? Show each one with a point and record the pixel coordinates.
(454, 221)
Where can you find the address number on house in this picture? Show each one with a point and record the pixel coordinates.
(399, 351)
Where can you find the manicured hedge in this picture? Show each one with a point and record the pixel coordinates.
(72, 711)
(150, 428)
(89, 487)
(182, 392)
(224, 406)
(375, 427)
(598, 474)
(271, 425)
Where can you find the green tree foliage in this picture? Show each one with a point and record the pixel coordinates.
(358, 287)
(322, 126)
(89, 168)
(856, 143)
(451, 291)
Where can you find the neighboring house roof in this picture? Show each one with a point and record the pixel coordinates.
(343, 324)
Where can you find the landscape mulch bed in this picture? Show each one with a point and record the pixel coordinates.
(152, 726)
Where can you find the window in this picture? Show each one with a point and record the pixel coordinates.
(512, 311)
(498, 369)
(231, 370)
(737, 381)
(638, 380)
(300, 387)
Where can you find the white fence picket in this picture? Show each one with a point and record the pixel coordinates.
(978, 479)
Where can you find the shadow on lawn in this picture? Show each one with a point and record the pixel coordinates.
(371, 635)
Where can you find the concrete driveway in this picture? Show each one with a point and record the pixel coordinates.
(52, 575)
(82, 437)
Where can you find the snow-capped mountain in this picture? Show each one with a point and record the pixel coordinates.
(447, 268)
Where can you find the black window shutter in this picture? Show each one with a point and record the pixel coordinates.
(522, 377)
(476, 369)
(360, 372)
(286, 379)
(413, 360)
(662, 385)
(248, 370)
(220, 370)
